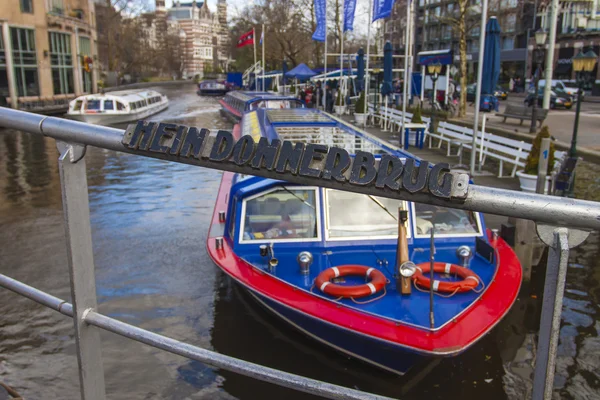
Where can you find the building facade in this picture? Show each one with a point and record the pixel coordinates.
(204, 34)
(434, 30)
(47, 52)
(578, 29)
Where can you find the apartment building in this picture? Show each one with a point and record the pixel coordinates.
(434, 30)
(47, 52)
(578, 29)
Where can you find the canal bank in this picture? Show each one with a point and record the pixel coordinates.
(149, 223)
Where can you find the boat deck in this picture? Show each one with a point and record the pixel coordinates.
(411, 310)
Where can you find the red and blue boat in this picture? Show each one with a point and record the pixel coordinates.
(352, 270)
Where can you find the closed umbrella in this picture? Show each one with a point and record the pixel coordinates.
(386, 88)
(360, 73)
(491, 61)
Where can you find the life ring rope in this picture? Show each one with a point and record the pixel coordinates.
(422, 283)
(376, 284)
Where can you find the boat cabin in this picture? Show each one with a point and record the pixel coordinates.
(237, 103)
(119, 103)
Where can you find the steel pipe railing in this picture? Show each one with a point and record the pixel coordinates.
(208, 357)
(559, 211)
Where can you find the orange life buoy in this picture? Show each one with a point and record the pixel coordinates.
(470, 280)
(377, 283)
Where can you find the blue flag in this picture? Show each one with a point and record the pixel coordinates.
(349, 9)
(320, 14)
(382, 9)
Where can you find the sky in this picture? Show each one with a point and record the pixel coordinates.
(236, 6)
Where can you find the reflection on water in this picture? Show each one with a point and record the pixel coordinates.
(149, 225)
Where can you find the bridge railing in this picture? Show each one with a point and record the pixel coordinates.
(437, 186)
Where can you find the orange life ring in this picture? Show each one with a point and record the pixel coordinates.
(470, 280)
(323, 281)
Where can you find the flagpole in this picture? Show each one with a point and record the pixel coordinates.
(325, 64)
(262, 37)
(254, 43)
(342, 59)
(406, 77)
(367, 79)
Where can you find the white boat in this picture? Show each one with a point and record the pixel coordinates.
(117, 107)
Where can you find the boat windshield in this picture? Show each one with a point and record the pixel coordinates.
(354, 215)
(274, 104)
(285, 213)
(445, 221)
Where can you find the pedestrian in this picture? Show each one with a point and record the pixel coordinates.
(511, 85)
(329, 99)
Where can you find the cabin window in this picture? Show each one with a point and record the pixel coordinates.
(282, 214)
(77, 106)
(445, 221)
(109, 105)
(120, 106)
(132, 106)
(354, 215)
(93, 105)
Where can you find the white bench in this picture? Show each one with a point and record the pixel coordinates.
(395, 117)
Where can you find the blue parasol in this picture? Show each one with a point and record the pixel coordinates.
(301, 71)
(491, 61)
(386, 88)
(360, 73)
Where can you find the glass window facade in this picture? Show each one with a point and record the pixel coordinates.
(25, 61)
(3, 72)
(61, 60)
(85, 50)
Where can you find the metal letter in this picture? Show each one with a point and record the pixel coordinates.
(363, 169)
(163, 133)
(390, 170)
(193, 142)
(336, 163)
(138, 136)
(421, 175)
(313, 154)
(182, 130)
(289, 159)
(222, 147)
(440, 170)
(243, 150)
(266, 153)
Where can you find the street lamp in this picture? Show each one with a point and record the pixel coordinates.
(434, 69)
(540, 41)
(583, 64)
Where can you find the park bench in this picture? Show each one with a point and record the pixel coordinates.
(523, 113)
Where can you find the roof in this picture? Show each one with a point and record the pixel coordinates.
(249, 96)
(126, 95)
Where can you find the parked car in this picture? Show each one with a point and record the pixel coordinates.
(499, 93)
(558, 99)
(568, 87)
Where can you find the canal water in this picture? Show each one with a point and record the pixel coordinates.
(149, 225)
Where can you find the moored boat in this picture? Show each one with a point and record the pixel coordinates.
(235, 104)
(117, 107)
(213, 88)
(352, 270)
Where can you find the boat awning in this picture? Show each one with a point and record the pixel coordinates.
(444, 57)
(334, 75)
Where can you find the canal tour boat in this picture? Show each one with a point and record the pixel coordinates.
(235, 104)
(213, 88)
(342, 269)
(117, 107)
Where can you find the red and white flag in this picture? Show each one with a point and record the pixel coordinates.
(246, 39)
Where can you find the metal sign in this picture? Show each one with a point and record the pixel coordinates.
(314, 162)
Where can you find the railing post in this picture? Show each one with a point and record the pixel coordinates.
(81, 268)
(560, 241)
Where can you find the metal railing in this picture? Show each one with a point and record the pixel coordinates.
(72, 137)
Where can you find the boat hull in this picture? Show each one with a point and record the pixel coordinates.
(211, 92)
(384, 355)
(112, 119)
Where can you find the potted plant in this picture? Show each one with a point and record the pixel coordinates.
(528, 177)
(416, 119)
(339, 103)
(359, 109)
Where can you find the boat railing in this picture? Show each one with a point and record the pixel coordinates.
(552, 214)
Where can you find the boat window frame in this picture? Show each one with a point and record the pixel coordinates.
(104, 105)
(405, 204)
(318, 238)
(479, 232)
